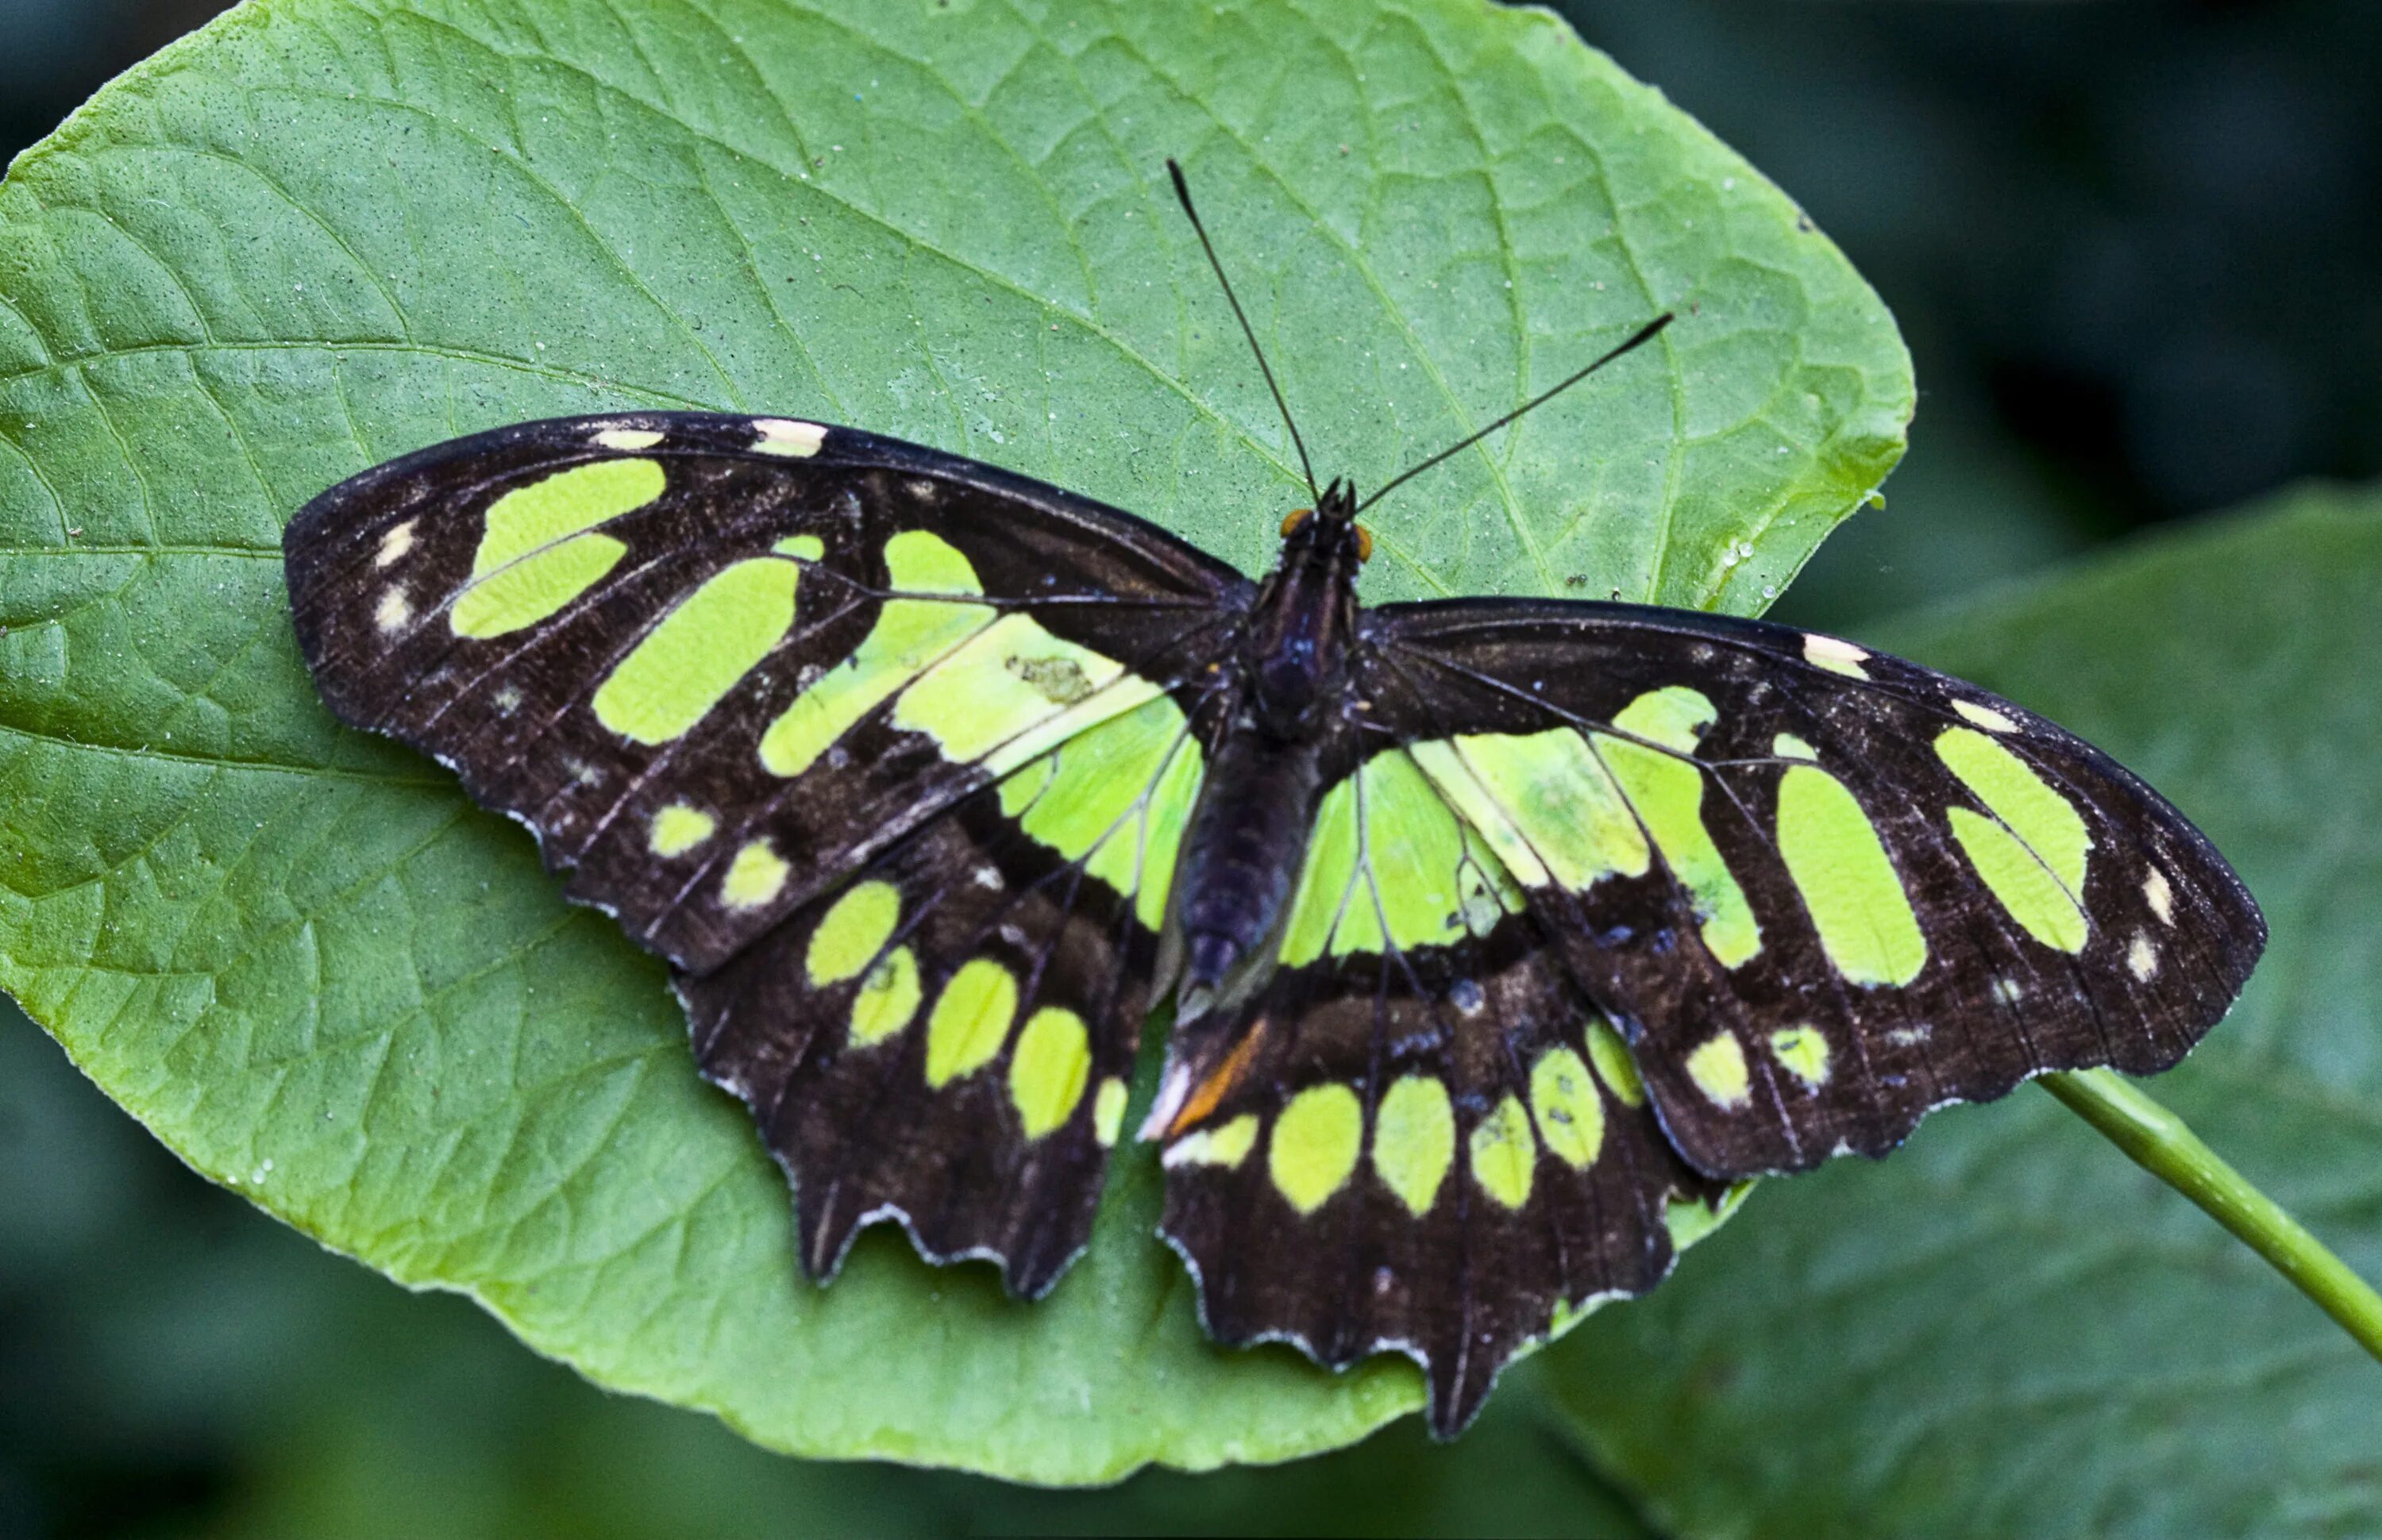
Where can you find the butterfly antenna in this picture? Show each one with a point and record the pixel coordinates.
(1639, 338)
(1183, 191)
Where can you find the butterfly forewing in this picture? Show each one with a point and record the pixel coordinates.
(716, 664)
(1823, 891)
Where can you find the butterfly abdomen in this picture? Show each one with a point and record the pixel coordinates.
(1242, 853)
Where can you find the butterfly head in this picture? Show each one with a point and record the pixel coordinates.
(1330, 528)
(1305, 617)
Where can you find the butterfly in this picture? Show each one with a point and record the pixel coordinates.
(1502, 935)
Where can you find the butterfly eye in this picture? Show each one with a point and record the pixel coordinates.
(1293, 520)
(1364, 543)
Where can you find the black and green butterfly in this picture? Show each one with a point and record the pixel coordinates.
(1498, 931)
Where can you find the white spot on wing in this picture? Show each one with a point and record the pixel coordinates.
(393, 611)
(1984, 716)
(2141, 959)
(783, 435)
(394, 544)
(1171, 1097)
(1835, 656)
(2161, 896)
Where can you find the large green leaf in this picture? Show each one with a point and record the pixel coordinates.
(324, 232)
(2008, 1329)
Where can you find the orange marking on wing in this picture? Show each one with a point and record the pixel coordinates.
(1204, 1097)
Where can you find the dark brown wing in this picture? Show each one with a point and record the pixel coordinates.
(886, 751)
(1822, 890)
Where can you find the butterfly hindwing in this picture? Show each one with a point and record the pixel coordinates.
(947, 1039)
(1822, 890)
(869, 742)
(1420, 1134)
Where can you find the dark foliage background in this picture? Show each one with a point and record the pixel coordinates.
(2133, 248)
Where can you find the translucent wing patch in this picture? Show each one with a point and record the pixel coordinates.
(1419, 1136)
(1822, 890)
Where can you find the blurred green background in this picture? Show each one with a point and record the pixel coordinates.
(2133, 248)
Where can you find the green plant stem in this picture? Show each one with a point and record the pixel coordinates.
(2160, 1143)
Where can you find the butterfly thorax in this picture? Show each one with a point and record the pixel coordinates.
(1295, 654)
(1241, 854)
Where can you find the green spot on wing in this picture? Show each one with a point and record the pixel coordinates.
(533, 517)
(699, 651)
(2015, 793)
(1804, 1053)
(888, 999)
(855, 929)
(1504, 1154)
(1847, 880)
(679, 828)
(1227, 1145)
(909, 636)
(1314, 1144)
(2020, 881)
(517, 596)
(1717, 1066)
(1413, 1141)
(1614, 1065)
(1569, 1108)
(1048, 1070)
(970, 1020)
(1667, 791)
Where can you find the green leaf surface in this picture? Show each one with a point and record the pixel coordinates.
(322, 233)
(2008, 1328)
